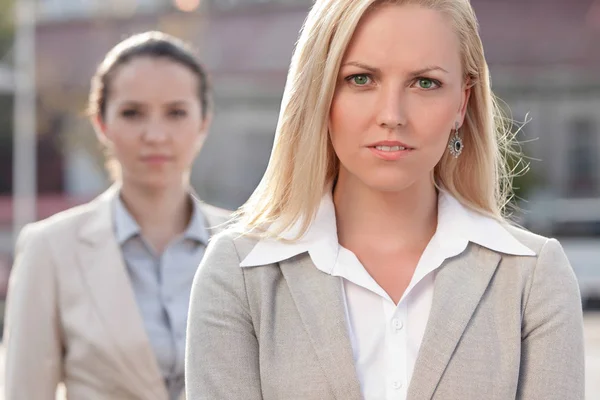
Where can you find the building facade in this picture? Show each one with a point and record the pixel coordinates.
(544, 56)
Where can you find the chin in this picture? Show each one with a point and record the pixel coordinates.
(156, 182)
(387, 186)
(389, 181)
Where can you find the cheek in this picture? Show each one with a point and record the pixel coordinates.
(336, 120)
(433, 123)
(347, 123)
(188, 144)
(122, 140)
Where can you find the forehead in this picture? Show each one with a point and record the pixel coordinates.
(407, 37)
(151, 79)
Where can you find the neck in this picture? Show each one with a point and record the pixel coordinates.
(404, 220)
(161, 214)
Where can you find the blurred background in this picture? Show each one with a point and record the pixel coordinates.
(544, 57)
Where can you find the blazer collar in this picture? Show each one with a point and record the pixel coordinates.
(125, 225)
(100, 222)
(104, 271)
(457, 226)
(327, 328)
(459, 287)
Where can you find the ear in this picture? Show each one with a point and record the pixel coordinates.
(465, 96)
(204, 128)
(100, 129)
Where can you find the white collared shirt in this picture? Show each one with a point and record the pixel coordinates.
(385, 336)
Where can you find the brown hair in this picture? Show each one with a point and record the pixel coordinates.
(148, 44)
(151, 44)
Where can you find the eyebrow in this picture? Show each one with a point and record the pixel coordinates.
(134, 103)
(376, 70)
(177, 103)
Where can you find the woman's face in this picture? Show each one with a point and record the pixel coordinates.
(153, 121)
(399, 94)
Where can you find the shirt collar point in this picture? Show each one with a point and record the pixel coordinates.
(491, 234)
(478, 228)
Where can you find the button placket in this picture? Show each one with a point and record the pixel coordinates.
(397, 325)
(397, 362)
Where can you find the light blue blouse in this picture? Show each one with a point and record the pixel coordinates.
(162, 284)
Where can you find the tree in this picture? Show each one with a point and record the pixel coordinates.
(6, 27)
(6, 99)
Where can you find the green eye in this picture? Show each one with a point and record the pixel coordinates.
(360, 80)
(425, 83)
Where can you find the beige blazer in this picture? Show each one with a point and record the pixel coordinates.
(501, 327)
(72, 315)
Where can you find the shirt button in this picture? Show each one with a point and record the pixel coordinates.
(397, 385)
(397, 325)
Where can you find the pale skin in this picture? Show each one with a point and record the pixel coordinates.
(401, 80)
(154, 126)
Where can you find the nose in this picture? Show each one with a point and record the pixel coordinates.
(155, 132)
(391, 108)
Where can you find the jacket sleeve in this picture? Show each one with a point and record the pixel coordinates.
(222, 359)
(33, 360)
(552, 355)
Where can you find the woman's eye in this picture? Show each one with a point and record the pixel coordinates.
(178, 113)
(426, 83)
(359, 79)
(130, 113)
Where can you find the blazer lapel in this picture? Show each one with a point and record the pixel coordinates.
(103, 269)
(459, 286)
(320, 302)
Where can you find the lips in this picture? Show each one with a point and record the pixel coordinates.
(156, 158)
(390, 145)
(390, 150)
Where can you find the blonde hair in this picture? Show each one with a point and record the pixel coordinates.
(303, 163)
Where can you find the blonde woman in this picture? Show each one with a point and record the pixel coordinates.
(372, 261)
(99, 294)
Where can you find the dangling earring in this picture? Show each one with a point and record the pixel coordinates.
(456, 144)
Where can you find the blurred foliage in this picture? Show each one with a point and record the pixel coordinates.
(6, 143)
(6, 26)
(524, 179)
(6, 112)
(519, 163)
(6, 100)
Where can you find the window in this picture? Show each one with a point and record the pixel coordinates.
(51, 10)
(582, 159)
(229, 4)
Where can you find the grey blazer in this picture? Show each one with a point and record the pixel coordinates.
(501, 327)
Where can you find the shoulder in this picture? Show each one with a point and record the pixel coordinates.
(529, 239)
(44, 247)
(216, 217)
(544, 247)
(59, 224)
(550, 267)
(63, 227)
(521, 268)
(231, 244)
(219, 272)
(223, 257)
